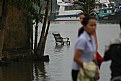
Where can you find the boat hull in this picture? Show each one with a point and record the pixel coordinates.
(73, 17)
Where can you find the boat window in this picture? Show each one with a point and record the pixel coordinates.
(57, 8)
(73, 7)
(105, 11)
(110, 11)
(68, 7)
(65, 0)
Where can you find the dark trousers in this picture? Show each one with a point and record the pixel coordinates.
(74, 75)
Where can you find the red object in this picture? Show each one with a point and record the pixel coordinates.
(99, 58)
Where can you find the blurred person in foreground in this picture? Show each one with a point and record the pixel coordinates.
(85, 49)
(97, 56)
(113, 53)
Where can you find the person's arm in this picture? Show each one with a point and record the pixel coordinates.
(95, 59)
(80, 31)
(107, 55)
(79, 49)
(96, 43)
(77, 57)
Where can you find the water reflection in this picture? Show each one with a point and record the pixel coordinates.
(39, 72)
(16, 72)
(58, 48)
(61, 48)
(26, 71)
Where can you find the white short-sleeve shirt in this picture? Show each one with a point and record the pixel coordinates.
(89, 48)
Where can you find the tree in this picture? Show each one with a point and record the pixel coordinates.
(34, 8)
(44, 32)
(88, 5)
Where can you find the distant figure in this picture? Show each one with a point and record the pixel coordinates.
(85, 47)
(113, 53)
(81, 29)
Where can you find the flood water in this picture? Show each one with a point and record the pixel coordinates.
(61, 57)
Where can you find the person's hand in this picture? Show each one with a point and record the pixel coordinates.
(97, 76)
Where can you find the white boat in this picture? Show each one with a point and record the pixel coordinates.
(67, 11)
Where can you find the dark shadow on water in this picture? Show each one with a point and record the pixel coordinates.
(39, 72)
(58, 46)
(17, 71)
(61, 48)
(24, 71)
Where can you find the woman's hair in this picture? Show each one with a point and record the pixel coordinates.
(86, 20)
(80, 31)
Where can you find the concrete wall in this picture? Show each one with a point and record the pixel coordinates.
(18, 33)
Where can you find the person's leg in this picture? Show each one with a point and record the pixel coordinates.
(74, 75)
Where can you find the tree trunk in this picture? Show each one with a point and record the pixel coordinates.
(45, 38)
(41, 44)
(36, 36)
(2, 24)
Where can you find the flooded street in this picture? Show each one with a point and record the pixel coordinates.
(61, 57)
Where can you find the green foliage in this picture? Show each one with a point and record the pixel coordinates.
(32, 8)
